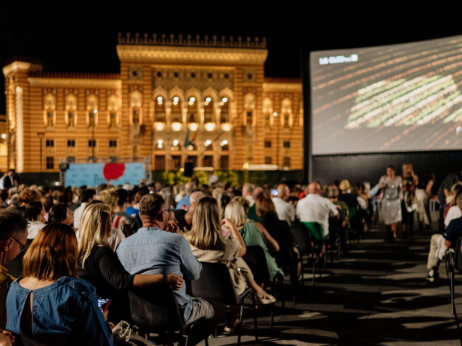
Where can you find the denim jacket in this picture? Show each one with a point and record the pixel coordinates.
(67, 306)
(153, 251)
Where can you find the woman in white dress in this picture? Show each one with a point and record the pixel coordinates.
(391, 186)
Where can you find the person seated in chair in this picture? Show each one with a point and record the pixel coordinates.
(185, 217)
(440, 243)
(314, 208)
(159, 248)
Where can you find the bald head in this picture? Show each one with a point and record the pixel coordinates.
(257, 193)
(195, 198)
(283, 191)
(313, 189)
(188, 188)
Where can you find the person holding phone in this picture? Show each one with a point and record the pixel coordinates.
(50, 299)
(101, 267)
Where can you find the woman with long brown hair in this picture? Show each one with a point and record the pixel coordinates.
(50, 300)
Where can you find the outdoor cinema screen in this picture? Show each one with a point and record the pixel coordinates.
(404, 97)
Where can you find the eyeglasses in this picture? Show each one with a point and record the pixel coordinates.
(23, 247)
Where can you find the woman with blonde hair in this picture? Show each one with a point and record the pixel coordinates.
(209, 245)
(254, 235)
(100, 266)
(410, 182)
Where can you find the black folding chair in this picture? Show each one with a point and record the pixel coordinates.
(216, 283)
(155, 310)
(256, 260)
(306, 247)
(453, 261)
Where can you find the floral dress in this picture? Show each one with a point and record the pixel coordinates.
(391, 200)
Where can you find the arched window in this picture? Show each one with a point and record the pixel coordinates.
(176, 146)
(249, 106)
(192, 114)
(135, 104)
(159, 110)
(71, 107)
(268, 111)
(49, 106)
(224, 107)
(286, 110)
(92, 110)
(113, 106)
(176, 114)
(209, 114)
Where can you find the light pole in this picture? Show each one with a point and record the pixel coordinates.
(275, 114)
(41, 135)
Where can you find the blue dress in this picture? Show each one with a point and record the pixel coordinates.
(68, 306)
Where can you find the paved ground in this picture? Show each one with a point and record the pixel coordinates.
(376, 295)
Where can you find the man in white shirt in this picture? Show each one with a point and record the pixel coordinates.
(284, 210)
(247, 191)
(314, 208)
(87, 197)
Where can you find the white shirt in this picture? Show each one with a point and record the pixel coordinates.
(314, 208)
(34, 228)
(213, 179)
(453, 213)
(78, 215)
(250, 199)
(284, 210)
(361, 202)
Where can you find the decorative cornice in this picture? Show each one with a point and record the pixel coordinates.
(74, 75)
(191, 54)
(191, 42)
(75, 82)
(20, 66)
(282, 80)
(289, 87)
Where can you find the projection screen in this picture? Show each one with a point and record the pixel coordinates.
(404, 97)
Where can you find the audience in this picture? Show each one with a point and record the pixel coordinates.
(120, 222)
(185, 218)
(453, 211)
(346, 196)
(254, 235)
(87, 196)
(121, 208)
(440, 243)
(35, 215)
(60, 213)
(13, 237)
(184, 203)
(314, 208)
(285, 211)
(247, 192)
(159, 248)
(100, 266)
(49, 300)
(25, 197)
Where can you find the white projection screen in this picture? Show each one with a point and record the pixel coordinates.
(404, 97)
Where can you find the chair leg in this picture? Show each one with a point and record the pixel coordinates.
(255, 319)
(241, 317)
(314, 270)
(282, 295)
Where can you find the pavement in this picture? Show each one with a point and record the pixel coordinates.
(375, 295)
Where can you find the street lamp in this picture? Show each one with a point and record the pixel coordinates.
(41, 135)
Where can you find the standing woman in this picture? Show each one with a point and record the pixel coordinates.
(412, 181)
(423, 193)
(391, 200)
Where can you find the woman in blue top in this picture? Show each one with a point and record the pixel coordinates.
(50, 302)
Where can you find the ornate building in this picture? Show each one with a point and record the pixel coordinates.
(209, 94)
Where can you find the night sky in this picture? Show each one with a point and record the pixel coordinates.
(81, 36)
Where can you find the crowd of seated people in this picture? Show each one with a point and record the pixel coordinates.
(78, 244)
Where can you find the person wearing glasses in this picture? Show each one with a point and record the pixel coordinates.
(13, 238)
(159, 248)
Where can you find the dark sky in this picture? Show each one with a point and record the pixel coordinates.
(81, 36)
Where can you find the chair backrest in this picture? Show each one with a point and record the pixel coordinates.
(458, 256)
(55, 340)
(256, 260)
(156, 310)
(315, 230)
(215, 283)
(302, 238)
(280, 231)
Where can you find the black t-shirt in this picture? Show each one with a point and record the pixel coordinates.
(454, 231)
(349, 199)
(447, 184)
(179, 216)
(104, 271)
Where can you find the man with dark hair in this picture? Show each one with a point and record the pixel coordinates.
(159, 248)
(121, 208)
(8, 181)
(87, 197)
(13, 237)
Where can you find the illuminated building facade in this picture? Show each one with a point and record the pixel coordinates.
(212, 91)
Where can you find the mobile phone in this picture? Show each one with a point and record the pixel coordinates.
(103, 303)
(274, 192)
